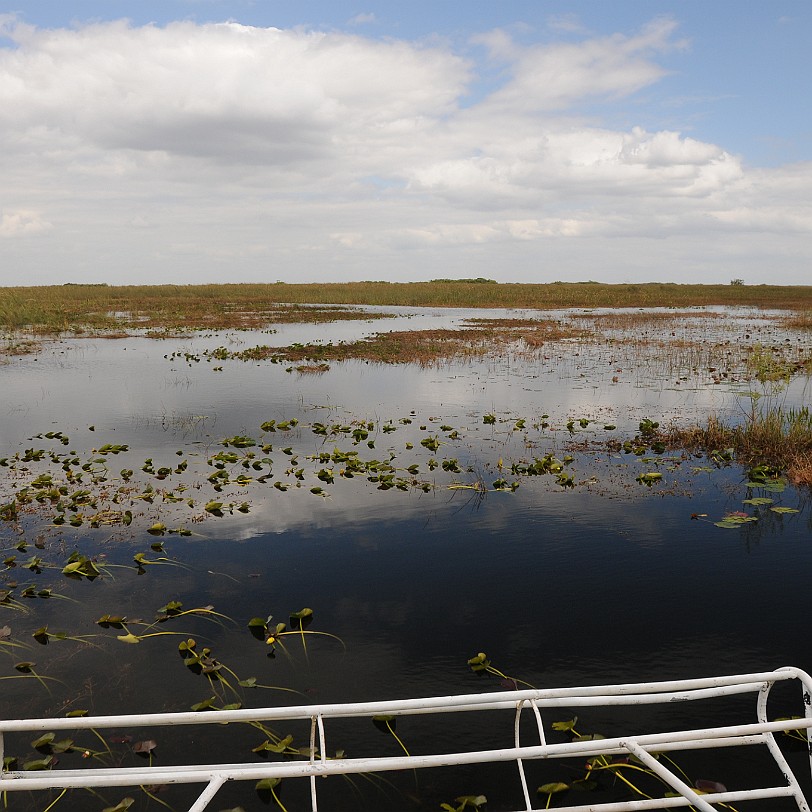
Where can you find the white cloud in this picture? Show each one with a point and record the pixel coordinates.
(183, 151)
(225, 91)
(568, 23)
(22, 224)
(362, 19)
(554, 77)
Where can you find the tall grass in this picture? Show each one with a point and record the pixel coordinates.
(60, 307)
(780, 438)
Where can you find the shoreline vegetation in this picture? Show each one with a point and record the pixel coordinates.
(78, 307)
(771, 435)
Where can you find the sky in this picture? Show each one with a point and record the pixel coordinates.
(197, 141)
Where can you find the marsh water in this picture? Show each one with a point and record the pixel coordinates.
(395, 501)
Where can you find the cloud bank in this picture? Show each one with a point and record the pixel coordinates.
(193, 153)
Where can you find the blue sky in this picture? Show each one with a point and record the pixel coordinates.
(526, 141)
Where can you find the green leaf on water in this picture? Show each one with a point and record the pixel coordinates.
(123, 805)
(784, 510)
(758, 500)
(274, 747)
(737, 519)
(206, 704)
(39, 764)
(43, 741)
(116, 621)
(650, 477)
(301, 614)
(555, 786)
(769, 485)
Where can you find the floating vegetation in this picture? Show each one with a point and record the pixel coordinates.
(82, 490)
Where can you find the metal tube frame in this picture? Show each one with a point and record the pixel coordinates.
(317, 764)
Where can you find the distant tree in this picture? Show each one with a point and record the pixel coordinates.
(737, 282)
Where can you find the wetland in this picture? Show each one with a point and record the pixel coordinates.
(220, 501)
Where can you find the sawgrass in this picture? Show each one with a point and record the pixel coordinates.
(779, 438)
(59, 308)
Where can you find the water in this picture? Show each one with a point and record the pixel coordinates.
(606, 581)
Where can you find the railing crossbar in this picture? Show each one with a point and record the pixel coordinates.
(561, 697)
(315, 762)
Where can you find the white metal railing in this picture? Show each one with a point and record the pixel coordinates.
(640, 745)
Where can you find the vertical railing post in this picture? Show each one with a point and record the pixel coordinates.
(772, 744)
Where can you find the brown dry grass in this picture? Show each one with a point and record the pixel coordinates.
(629, 319)
(801, 320)
(801, 471)
(483, 337)
(22, 347)
(533, 333)
(781, 439)
(423, 347)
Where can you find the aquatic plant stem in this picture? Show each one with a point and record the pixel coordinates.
(276, 798)
(54, 802)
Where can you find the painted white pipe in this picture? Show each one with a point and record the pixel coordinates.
(214, 775)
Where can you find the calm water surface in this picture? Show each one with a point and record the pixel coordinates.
(606, 581)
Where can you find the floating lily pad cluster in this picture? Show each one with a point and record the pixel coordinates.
(50, 488)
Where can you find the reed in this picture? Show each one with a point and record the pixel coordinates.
(777, 437)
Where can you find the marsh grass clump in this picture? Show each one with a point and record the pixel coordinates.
(779, 437)
(533, 333)
(480, 338)
(801, 320)
(20, 347)
(421, 347)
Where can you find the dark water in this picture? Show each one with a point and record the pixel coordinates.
(607, 581)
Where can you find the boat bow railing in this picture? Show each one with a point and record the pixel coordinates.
(536, 702)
